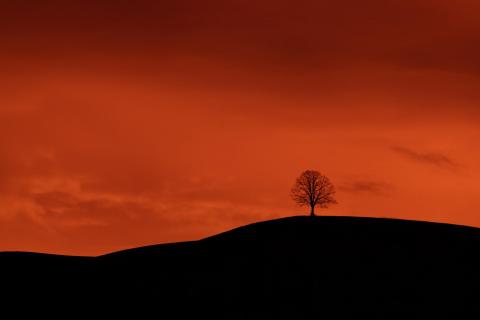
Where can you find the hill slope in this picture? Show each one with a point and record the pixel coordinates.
(290, 268)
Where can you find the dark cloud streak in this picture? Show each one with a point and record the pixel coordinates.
(365, 186)
(436, 159)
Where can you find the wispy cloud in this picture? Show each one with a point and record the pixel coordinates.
(365, 186)
(432, 158)
(68, 209)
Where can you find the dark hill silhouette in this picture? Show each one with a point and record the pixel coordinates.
(297, 267)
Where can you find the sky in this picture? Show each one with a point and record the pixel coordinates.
(127, 123)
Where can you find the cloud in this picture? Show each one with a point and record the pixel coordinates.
(365, 186)
(278, 36)
(432, 158)
(65, 209)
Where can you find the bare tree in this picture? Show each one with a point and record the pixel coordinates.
(313, 189)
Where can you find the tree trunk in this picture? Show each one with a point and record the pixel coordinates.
(312, 213)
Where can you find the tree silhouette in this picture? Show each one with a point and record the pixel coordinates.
(313, 189)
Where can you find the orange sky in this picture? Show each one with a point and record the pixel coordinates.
(125, 123)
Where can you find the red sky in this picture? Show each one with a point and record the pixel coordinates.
(125, 123)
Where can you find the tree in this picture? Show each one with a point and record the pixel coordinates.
(313, 189)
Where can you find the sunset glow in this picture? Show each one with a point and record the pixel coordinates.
(127, 123)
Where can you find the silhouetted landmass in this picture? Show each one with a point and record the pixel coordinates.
(298, 267)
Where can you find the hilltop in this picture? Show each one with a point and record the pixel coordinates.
(292, 267)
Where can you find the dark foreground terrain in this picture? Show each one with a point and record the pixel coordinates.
(292, 268)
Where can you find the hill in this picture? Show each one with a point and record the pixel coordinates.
(296, 267)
